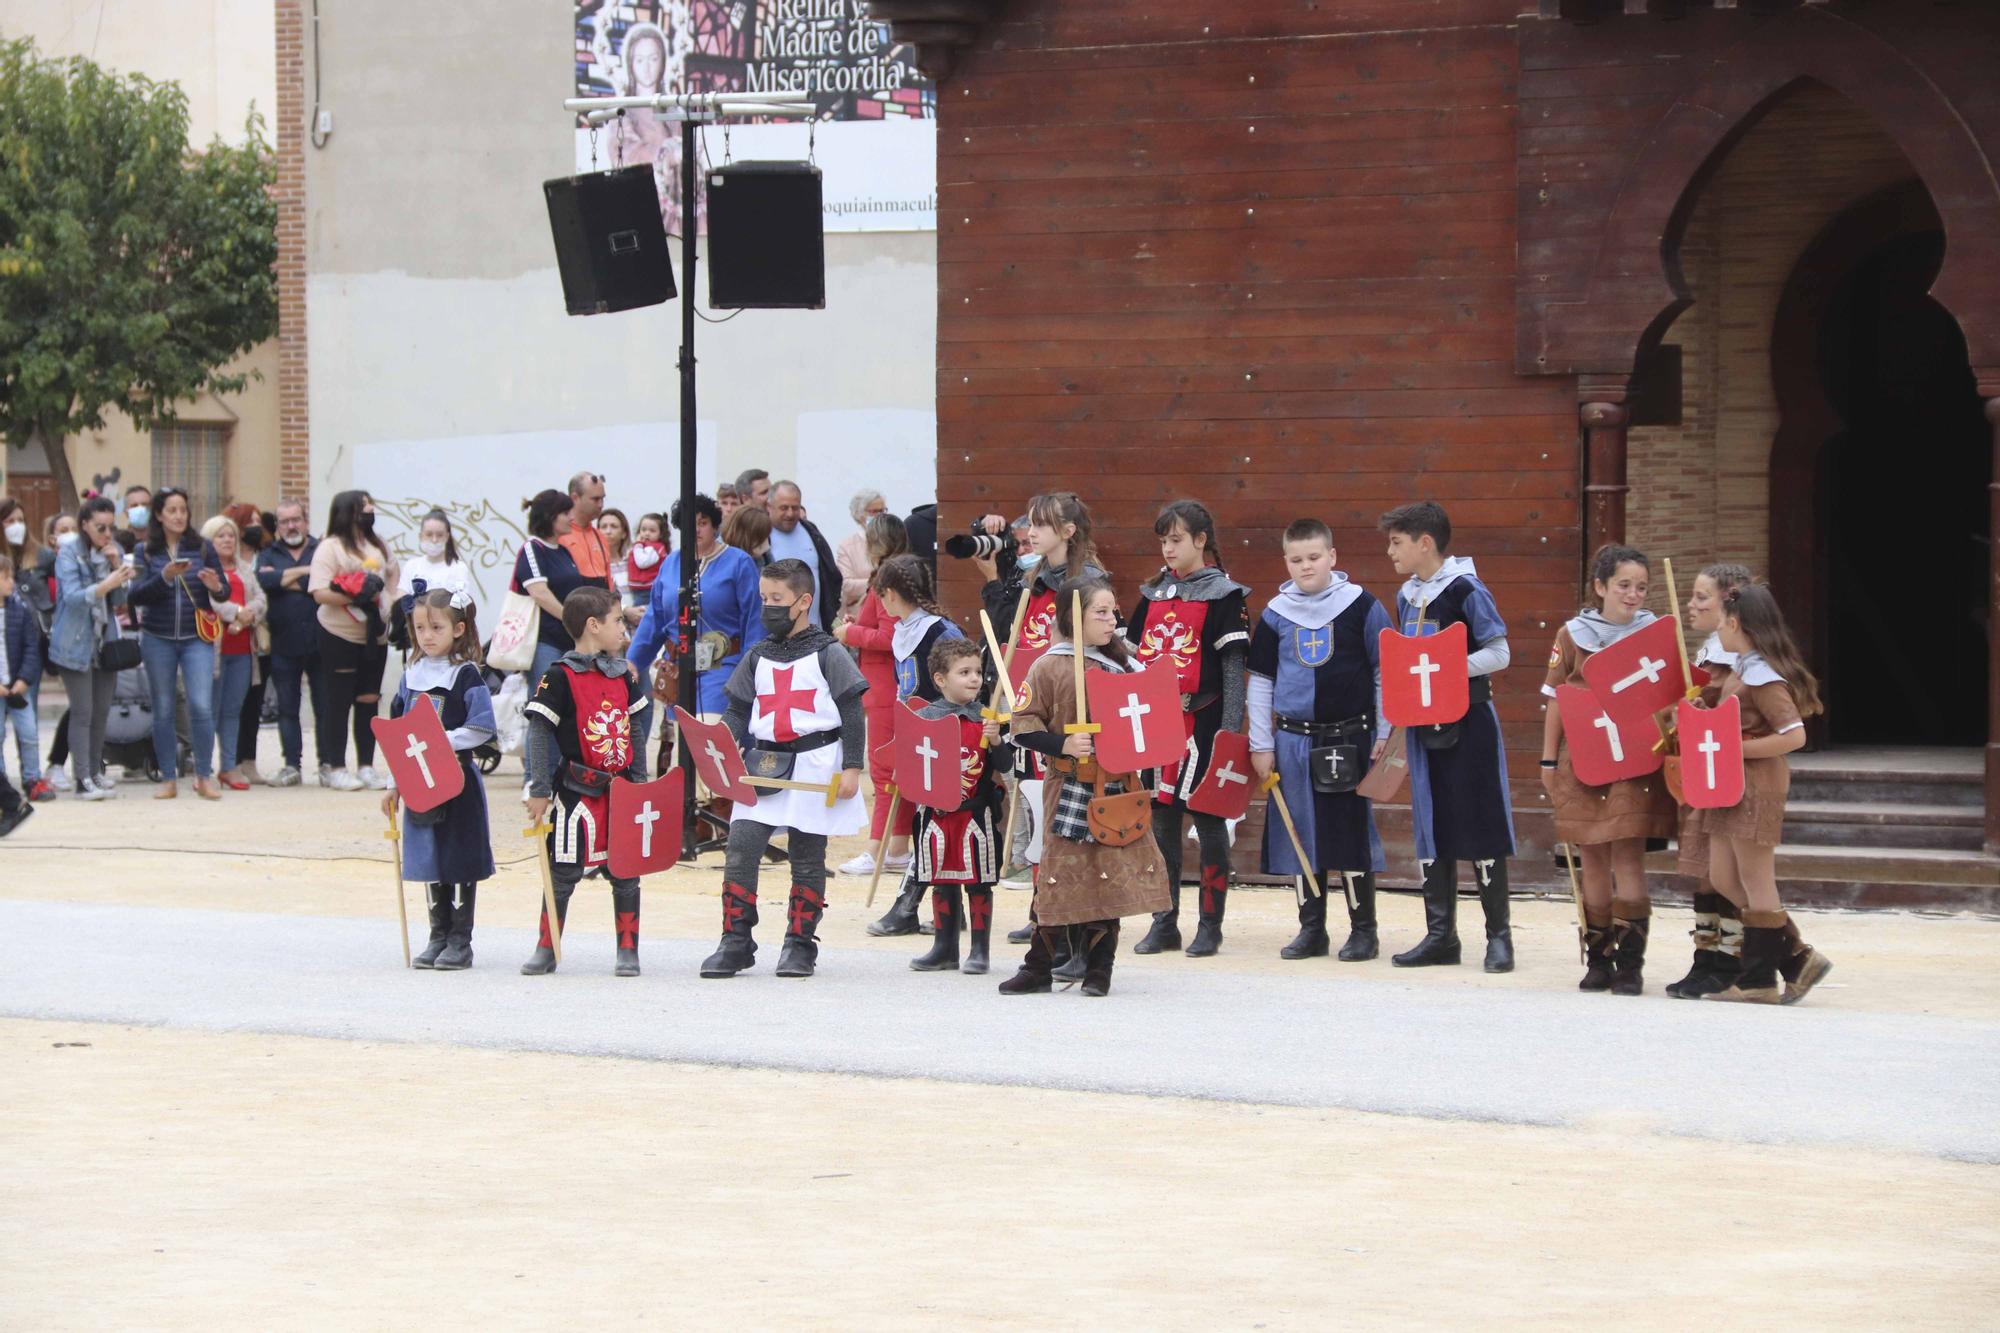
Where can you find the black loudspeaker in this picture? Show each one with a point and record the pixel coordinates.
(766, 239)
(610, 243)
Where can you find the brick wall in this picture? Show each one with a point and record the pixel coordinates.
(1700, 490)
(294, 425)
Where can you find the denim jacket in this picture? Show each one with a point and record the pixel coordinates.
(73, 640)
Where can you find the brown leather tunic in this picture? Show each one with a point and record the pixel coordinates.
(1588, 816)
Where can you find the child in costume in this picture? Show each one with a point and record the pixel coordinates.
(903, 583)
(958, 852)
(1608, 825)
(1718, 922)
(1193, 620)
(1775, 693)
(449, 848)
(1459, 801)
(1315, 719)
(1083, 882)
(580, 736)
(794, 706)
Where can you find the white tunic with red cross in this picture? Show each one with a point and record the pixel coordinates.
(793, 701)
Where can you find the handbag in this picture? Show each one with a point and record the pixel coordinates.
(1120, 820)
(117, 654)
(512, 647)
(667, 679)
(1336, 769)
(207, 624)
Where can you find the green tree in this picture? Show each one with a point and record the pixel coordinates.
(131, 267)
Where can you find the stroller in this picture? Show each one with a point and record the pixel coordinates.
(128, 730)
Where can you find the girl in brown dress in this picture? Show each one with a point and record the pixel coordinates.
(1718, 922)
(1607, 825)
(1776, 693)
(1081, 882)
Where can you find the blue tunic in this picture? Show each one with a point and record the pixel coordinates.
(1458, 797)
(913, 673)
(731, 606)
(1321, 675)
(459, 848)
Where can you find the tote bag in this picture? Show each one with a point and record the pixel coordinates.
(512, 647)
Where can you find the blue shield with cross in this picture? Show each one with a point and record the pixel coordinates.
(1313, 646)
(906, 677)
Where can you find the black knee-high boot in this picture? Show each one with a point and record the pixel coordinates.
(801, 953)
(901, 918)
(946, 905)
(1707, 935)
(1492, 877)
(437, 901)
(1166, 929)
(1439, 946)
(1312, 940)
(1362, 941)
(738, 950)
(1100, 949)
(1599, 944)
(1631, 923)
(543, 959)
(978, 916)
(457, 955)
(1213, 835)
(625, 911)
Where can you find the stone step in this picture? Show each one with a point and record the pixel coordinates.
(1884, 824)
(1876, 787)
(1868, 877)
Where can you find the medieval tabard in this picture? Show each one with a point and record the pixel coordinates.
(451, 844)
(1629, 808)
(962, 846)
(1187, 624)
(590, 702)
(910, 645)
(793, 690)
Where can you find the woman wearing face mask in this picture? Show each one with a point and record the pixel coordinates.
(437, 564)
(91, 580)
(27, 553)
(181, 578)
(350, 571)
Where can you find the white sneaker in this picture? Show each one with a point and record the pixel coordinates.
(861, 865)
(90, 791)
(59, 779)
(339, 779)
(105, 779)
(285, 777)
(373, 780)
(896, 863)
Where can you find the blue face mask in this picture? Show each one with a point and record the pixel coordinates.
(1028, 561)
(137, 515)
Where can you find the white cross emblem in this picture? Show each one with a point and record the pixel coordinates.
(1649, 670)
(1708, 747)
(1228, 774)
(1135, 710)
(645, 819)
(416, 752)
(927, 752)
(1610, 730)
(715, 757)
(1423, 671)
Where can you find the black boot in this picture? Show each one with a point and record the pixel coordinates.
(1598, 941)
(543, 960)
(1214, 899)
(946, 903)
(1492, 877)
(1707, 936)
(625, 911)
(1362, 941)
(1023, 935)
(1629, 930)
(1100, 952)
(457, 955)
(1763, 949)
(979, 916)
(1439, 946)
(1068, 953)
(738, 950)
(1034, 976)
(1800, 966)
(901, 918)
(1165, 933)
(1311, 941)
(801, 952)
(438, 903)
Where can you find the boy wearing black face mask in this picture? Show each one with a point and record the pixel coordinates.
(795, 708)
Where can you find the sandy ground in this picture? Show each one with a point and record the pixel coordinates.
(162, 1177)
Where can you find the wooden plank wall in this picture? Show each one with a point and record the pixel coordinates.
(1260, 254)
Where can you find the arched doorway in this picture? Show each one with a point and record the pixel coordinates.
(1879, 475)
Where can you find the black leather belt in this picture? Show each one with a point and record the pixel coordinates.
(1479, 690)
(819, 740)
(1324, 731)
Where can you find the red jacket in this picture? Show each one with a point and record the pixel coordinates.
(871, 633)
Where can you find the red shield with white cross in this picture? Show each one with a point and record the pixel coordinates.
(928, 761)
(1640, 674)
(1425, 681)
(716, 757)
(1602, 749)
(1225, 789)
(646, 824)
(1139, 714)
(419, 756)
(1711, 754)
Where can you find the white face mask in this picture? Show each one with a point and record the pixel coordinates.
(16, 533)
(65, 538)
(432, 550)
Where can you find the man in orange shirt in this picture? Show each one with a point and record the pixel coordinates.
(583, 541)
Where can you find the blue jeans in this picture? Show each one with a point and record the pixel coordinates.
(27, 738)
(546, 656)
(232, 682)
(286, 671)
(195, 663)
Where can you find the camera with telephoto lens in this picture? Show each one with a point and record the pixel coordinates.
(978, 546)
